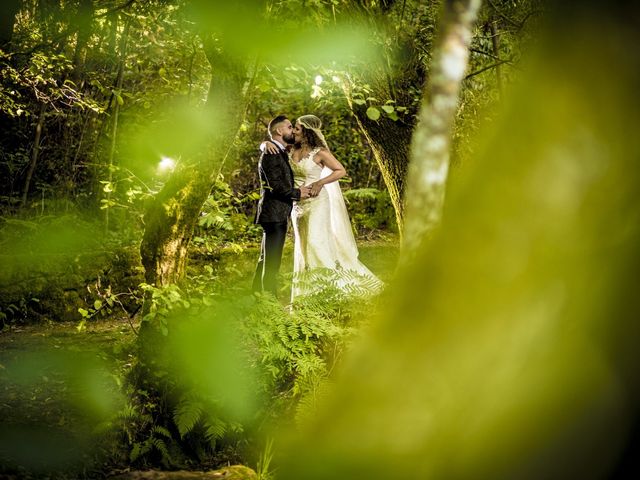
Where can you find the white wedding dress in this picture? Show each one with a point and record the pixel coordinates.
(323, 238)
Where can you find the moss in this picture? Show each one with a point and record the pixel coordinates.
(56, 293)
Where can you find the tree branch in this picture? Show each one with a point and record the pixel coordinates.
(125, 5)
(518, 25)
(493, 65)
(475, 50)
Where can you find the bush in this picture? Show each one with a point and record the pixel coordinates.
(370, 210)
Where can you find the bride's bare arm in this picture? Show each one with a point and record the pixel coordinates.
(269, 147)
(327, 160)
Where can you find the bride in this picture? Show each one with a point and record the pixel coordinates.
(323, 238)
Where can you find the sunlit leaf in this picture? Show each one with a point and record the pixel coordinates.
(373, 113)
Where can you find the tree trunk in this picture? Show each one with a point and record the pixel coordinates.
(390, 139)
(83, 19)
(169, 223)
(173, 213)
(8, 11)
(395, 78)
(390, 145)
(431, 141)
(116, 114)
(35, 153)
(495, 42)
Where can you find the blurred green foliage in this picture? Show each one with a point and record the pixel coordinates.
(479, 342)
(85, 394)
(507, 349)
(226, 365)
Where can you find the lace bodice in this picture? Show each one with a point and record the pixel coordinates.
(306, 171)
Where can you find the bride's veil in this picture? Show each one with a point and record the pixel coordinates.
(340, 223)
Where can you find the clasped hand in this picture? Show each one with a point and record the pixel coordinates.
(305, 192)
(314, 189)
(311, 190)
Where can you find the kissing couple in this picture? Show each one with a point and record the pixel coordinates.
(302, 184)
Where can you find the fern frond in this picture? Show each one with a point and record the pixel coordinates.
(187, 415)
(161, 447)
(361, 193)
(135, 452)
(215, 429)
(162, 431)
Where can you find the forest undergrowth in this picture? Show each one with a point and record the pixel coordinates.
(67, 392)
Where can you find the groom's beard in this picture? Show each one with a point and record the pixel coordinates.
(289, 139)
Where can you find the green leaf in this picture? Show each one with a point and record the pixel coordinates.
(135, 452)
(97, 304)
(387, 108)
(359, 101)
(186, 416)
(373, 113)
(162, 431)
(215, 429)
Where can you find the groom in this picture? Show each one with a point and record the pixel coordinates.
(277, 194)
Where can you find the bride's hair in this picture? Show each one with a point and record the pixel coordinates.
(311, 132)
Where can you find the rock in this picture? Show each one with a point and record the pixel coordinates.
(234, 472)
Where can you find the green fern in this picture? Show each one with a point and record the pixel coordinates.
(362, 193)
(308, 404)
(136, 451)
(186, 416)
(214, 430)
(162, 431)
(161, 447)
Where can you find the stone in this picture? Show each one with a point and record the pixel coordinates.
(233, 472)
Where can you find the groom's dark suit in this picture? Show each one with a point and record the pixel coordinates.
(277, 194)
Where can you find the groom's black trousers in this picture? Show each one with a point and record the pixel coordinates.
(268, 267)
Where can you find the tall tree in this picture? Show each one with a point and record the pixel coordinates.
(432, 139)
(384, 95)
(83, 21)
(172, 215)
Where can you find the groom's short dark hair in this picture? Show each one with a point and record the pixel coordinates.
(273, 124)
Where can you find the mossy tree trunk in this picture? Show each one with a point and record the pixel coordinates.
(390, 139)
(395, 80)
(170, 218)
(172, 215)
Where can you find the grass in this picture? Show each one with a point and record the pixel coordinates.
(380, 255)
